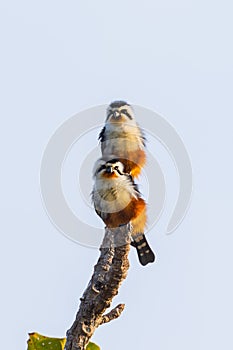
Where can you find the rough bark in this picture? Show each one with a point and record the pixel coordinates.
(109, 272)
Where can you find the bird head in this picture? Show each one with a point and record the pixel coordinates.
(119, 112)
(112, 168)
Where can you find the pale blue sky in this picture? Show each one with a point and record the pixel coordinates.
(175, 57)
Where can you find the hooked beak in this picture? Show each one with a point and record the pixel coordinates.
(116, 114)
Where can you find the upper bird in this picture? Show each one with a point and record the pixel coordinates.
(122, 137)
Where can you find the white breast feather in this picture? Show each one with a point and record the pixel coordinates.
(111, 196)
(124, 138)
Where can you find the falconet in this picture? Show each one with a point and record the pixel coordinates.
(118, 201)
(123, 138)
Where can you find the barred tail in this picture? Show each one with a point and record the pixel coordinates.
(145, 254)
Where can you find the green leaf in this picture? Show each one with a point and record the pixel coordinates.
(92, 346)
(37, 341)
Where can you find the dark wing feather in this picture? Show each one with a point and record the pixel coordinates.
(102, 137)
(142, 134)
(98, 212)
(135, 186)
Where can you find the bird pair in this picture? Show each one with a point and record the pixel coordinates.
(116, 197)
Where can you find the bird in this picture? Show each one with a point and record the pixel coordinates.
(118, 202)
(122, 137)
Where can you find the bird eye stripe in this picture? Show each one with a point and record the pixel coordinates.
(125, 112)
(122, 111)
(119, 172)
(101, 168)
(109, 114)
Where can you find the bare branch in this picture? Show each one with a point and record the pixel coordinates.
(113, 314)
(109, 272)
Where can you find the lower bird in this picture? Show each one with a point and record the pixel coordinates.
(118, 201)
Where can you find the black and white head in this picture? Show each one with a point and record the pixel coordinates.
(111, 168)
(119, 112)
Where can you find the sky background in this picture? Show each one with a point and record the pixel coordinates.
(175, 57)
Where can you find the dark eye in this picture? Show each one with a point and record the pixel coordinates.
(116, 167)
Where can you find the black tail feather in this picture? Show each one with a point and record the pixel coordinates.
(145, 253)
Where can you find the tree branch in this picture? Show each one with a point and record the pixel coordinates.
(109, 272)
(113, 314)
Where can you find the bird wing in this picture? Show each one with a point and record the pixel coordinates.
(102, 135)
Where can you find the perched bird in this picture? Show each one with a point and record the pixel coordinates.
(122, 137)
(118, 201)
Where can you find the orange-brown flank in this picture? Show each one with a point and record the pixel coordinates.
(135, 212)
